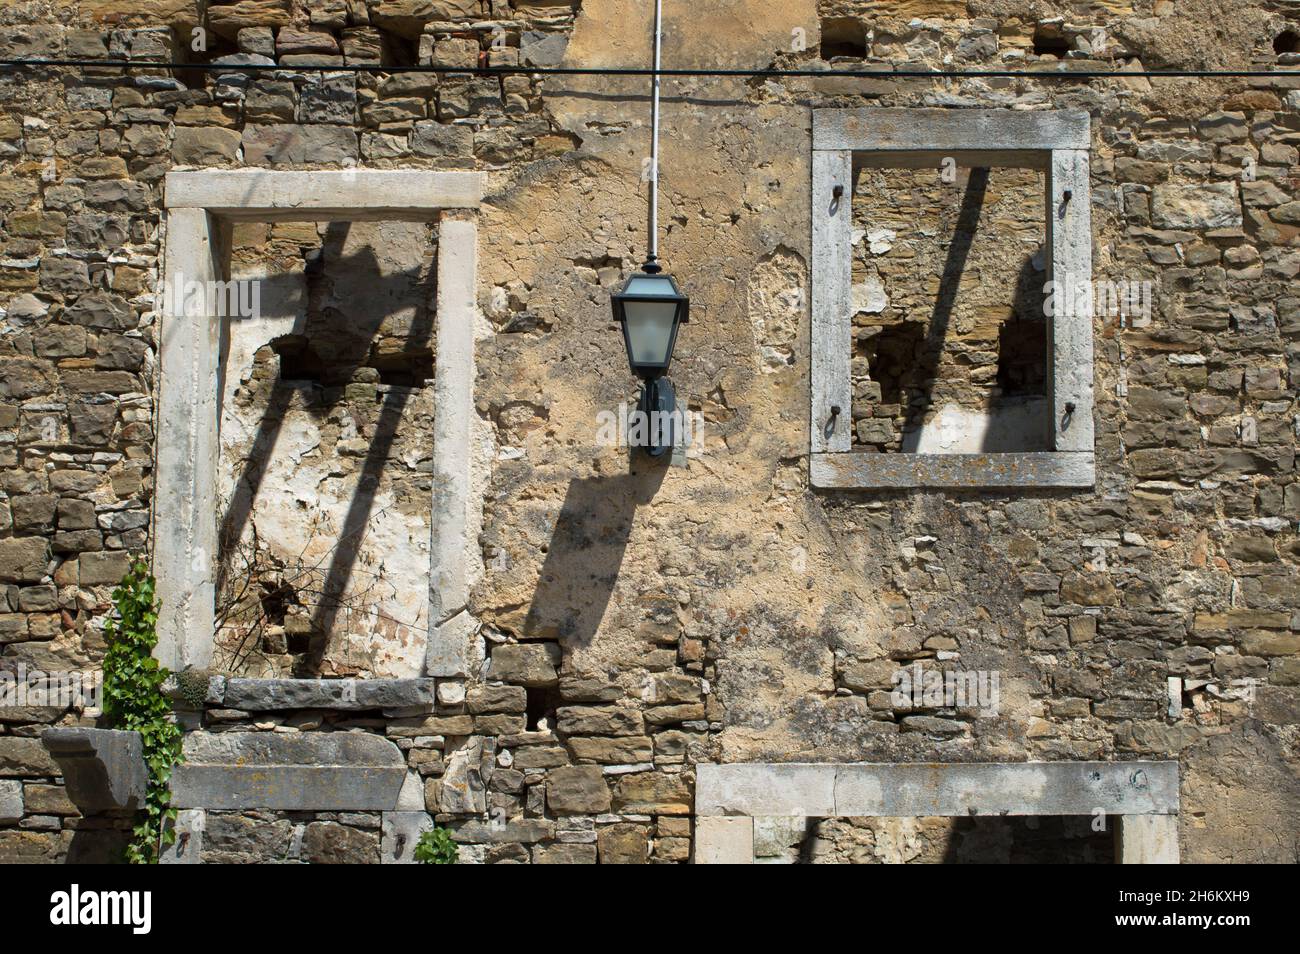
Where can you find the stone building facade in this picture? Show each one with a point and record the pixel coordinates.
(435, 594)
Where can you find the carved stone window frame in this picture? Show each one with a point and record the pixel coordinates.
(1054, 141)
(732, 800)
(199, 209)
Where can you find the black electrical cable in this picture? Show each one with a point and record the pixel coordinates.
(644, 71)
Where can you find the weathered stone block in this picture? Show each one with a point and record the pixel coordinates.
(101, 310)
(24, 757)
(408, 17)
(205, 145)
(34, 847)
(104, 769)
(528, 664)
(564, 854)
(24, 559)
(617, 750)
(465, 781)
(332, 100)
(321, 770)
(67, 276)
(498, 724)
(542, 49)
(430, 138)
(103, 568)
(1210, 205)
(589, 689)
(540, 756)
(623, 845)
(524, 830)
(653, 793)
(670, 688)
(187, 849)
(330, 843)
(297, 145)
(1266, 643)
(599, 720)
(577, 790)
(23, 378)
(44, 799)
(1089, 589)
(33, 512)
(668, 715)
(229, 18)
(431, 725)
(482, 699)
(11, 801)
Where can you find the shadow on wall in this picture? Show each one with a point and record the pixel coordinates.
(972, 203)
(979, 839)
(585, 553)
(331, 348)
(1014, 420)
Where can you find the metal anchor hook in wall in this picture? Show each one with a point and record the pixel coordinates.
(829, 429)
(1066, 196)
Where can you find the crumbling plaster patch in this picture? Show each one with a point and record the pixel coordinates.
(371, 301)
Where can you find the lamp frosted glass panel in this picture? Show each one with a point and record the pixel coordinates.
(648, 285)
(649, 330)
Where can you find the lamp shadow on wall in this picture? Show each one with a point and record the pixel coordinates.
(584, 557)
(303, 362)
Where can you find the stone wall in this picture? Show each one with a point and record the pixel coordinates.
(636, 620)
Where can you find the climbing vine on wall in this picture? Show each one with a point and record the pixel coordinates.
(134, 701)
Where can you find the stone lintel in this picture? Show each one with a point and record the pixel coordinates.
(326, 771)
(266, 195)
(262, 695)
(905, 129)
(1030, 469)
(929, 789)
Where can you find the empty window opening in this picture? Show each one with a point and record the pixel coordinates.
(216, 45)
(843, 36)
(541, 706)
(1288, 41)
(326, 450)
(398, 50)
(1050, 40)
(950, 343)
(983, 839)
(1022, 358)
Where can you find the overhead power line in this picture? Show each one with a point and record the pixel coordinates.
(1053, 74)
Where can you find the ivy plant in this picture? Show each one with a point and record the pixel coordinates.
(134, 701)
(435, 847)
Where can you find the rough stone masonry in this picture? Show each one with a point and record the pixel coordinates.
(631, 620)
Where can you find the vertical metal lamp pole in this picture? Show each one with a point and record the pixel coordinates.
(657, 394)
(652, 247)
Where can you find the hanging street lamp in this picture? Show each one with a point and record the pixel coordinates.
(650, 307)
